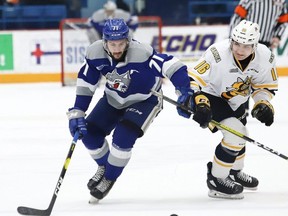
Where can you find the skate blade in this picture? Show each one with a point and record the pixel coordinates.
(251, 188)
(217, 194)
(93, 200)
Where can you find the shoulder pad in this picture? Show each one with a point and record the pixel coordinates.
(95, 50)
(139, 52)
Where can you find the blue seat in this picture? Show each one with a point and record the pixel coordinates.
(211, 11)
(32, 12)
(32, 16)
(56, 12)
(11, 17)
(231, 7)
(11, 12)
(53, 14)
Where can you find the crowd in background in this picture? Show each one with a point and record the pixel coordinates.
(172, 13)
(182, 12)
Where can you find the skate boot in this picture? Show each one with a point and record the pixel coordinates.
(247, 181)
(95, 180)
(223, 188)
(102, 189)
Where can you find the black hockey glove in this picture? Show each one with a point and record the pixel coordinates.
(264, 112)
(186, 99)
(202, 110)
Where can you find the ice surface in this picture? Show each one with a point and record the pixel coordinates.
(166, 174)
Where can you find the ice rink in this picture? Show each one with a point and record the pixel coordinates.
(166, 174)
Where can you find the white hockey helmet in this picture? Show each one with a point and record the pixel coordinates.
(246, 32)
(110, 5)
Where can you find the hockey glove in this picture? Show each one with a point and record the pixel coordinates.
(202, 110)
(185, 97)
(264, 112)
(77, 122)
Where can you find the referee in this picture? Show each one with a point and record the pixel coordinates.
(271, 16)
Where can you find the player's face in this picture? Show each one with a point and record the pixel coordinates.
(241, 51)
(117, 47)
(110, 13)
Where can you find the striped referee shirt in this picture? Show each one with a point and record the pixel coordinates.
(271, 16)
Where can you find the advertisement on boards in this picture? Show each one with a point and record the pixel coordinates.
(38, 53)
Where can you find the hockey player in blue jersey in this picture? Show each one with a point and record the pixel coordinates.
(109, 11)
(127, 108)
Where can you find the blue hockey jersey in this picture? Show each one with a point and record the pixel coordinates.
(129, 81)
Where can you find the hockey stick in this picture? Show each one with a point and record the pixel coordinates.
(46, 212)
(224, 127)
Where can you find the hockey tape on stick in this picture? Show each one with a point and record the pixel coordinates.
(46, 212)
(224, 127)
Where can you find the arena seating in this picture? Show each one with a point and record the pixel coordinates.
(32, 16)
(187, 12)
(211, 11)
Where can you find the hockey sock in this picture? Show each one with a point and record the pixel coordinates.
(124, 138)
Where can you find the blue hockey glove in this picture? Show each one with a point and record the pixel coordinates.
(202, 110)
(77, 122)
(264, 112)
(185, 97)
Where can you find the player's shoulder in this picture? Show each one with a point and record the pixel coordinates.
(119, 13)
(221, 46)
(263, 49)
(139, 52)
(100, 12)
(134, 44)
(98, 16)
(95, 50)
(218, 51)
(264, 55)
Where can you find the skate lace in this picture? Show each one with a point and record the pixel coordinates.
(245, 177)
(104, 185)
(226, 182)
(99, 174)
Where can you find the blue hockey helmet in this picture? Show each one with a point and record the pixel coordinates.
(115, 29)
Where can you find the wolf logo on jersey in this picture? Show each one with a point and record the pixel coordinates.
(119, 82)
(240, 87)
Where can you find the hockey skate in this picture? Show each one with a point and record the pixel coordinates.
(95, 180)
(101, 190)
(223, 188)
(247, 181)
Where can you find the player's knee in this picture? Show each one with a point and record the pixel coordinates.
(132, 127)
(94, 138)
(119, 156)
(99, 153)
(230, 141)
(125, 134)
(94, 129)
(124, 137)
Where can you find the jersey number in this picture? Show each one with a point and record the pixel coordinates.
(154, 63)
(202, 67)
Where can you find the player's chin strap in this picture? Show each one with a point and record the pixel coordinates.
(224, 127)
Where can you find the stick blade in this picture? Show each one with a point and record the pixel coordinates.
(31, 211)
